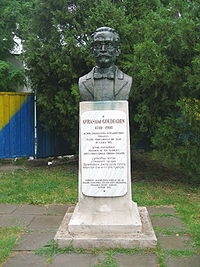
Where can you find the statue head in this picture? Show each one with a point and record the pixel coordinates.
(105, 46)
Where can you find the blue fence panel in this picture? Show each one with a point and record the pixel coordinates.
(16, 125)
(50, 144)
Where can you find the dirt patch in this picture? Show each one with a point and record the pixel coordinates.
(145, 168)
(10, 168)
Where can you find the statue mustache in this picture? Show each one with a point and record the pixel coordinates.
(103, 54)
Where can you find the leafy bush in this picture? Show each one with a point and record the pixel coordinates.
(177, 138)
(10, 77)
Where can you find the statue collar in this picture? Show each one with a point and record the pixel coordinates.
(118, 74)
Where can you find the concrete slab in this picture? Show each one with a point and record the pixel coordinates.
(169, 222)
(45, 223)
(144, 239)
(125, 260)
(193, 261)
(30, 210)
(56, 209)
(175, 242)
(161, 210)
(15, 220)
(7, 208)
(26, 260)
(33, 241)
(74, 260)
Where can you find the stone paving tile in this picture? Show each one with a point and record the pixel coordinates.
(30, 210)
(175, 242)
(56, 209)
(161, 210)
(46, 223)
(26, 260)
(7, 208)
(193, 261)
(167, 222)
(32, 241)
(74, 260)
(15, 220)
(125, 260)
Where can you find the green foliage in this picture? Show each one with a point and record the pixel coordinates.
(10, 78)
(165, 61)
(178, 138)
(58, 52)
(160, 50)
(8, 27)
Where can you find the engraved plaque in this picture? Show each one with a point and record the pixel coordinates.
(103, 150)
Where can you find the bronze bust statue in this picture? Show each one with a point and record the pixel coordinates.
(105, 82)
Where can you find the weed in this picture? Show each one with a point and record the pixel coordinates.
(109, 260)
(180, 253)
(8, 237)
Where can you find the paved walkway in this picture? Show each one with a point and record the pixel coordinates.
(42, 222)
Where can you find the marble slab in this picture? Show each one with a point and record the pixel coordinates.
(103, 153)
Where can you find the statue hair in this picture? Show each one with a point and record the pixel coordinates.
(108, 29)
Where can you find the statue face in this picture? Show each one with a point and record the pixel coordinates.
(105, 49)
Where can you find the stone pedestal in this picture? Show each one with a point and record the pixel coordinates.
(105, 210)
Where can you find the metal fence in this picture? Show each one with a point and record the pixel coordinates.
(50, 144)
(19, 129)
(16, 125)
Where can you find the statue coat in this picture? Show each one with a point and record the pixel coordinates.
(122, 86)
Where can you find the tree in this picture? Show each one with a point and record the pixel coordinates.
(58, 52)
(160, 50)
(177, 139)
(164, 61)
(10, 77)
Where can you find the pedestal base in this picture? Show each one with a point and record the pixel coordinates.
(105, 221)
(144, 239)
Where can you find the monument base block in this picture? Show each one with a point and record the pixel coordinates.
(144, 239)
(105, 220)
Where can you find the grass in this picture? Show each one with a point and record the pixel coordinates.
(40, 185)
(183, 197)
(152, 186)
(8, 237)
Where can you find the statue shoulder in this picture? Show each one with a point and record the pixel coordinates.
(86, 93)
(124, 76)
(85, 77)
(123, 86)
(127, 78)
